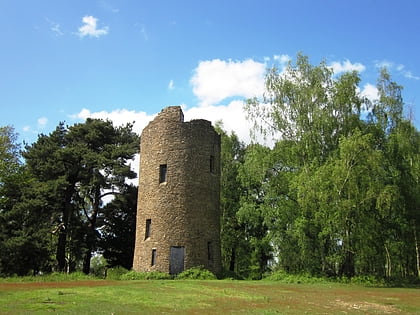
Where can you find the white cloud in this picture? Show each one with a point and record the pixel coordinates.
(171, 85)
(232, 115)
(385, 64)
(399, 67)
(282, 59)
(346, 66)
(406, 73)
(119, 117)
(409, 75)
(215, 80)
(56, 29)
(90, 27)
(370, 92)
(42, 122)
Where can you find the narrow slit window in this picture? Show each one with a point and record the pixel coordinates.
(211, 163)
(148, 228)
(162, 173)
(153, 262)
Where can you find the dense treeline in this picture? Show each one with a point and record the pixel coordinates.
(338, 193)
(52, 211)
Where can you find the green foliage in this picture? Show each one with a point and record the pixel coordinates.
(196, 273)
(234, 246)
(284, 277)
(98, 266)
(153, 275)
(368, 281)
(115, 273)
(25, 244)
(118, 230)
(79, 166)
(338, 193)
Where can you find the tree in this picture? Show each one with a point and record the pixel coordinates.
(387, 111)
(399, 140)
(343, 195)
(253, 177)
(308, 106)
(339, 195)
(119, 228)
(403, 152)
(53, 162)
(308, 110)
(103, 154)
(9, 152)
(24, 241)
(233, 241)
(82, 164)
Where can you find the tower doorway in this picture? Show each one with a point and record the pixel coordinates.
(176, 263)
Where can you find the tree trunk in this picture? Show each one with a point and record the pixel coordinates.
(388, 266)
(91, 231)
(86, 261)
(347, 268)
(416, 244)
(232, 260)
(90, 243)
(62, 236)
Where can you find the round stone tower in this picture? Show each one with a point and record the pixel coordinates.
(178, 218)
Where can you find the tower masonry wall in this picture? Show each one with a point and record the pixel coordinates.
(178, 218)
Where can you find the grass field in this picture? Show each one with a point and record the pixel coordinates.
(202, 297)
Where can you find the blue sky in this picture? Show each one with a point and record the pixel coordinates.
(126, 60)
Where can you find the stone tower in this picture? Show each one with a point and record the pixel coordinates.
(178, 218)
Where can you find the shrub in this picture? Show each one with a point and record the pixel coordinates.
(98, 266)
(284, 277)
(115, 273)
(230, 275)
(74, 276)
(370, 281)
(153, 275)
(198, 273)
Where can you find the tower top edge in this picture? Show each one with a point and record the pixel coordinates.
(171, 113)
(174, 114)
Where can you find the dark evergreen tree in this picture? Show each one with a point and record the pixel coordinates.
(25, 242)
(119, 229)
(81, 164)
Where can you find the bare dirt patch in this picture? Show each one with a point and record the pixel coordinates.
(366, 307)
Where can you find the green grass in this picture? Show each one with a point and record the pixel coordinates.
(52, 277)
(202, 297)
